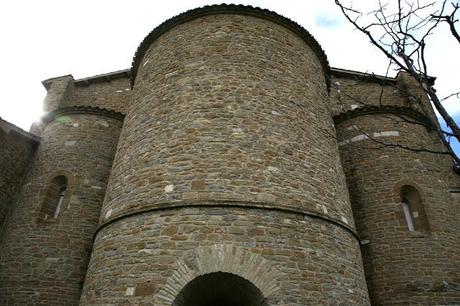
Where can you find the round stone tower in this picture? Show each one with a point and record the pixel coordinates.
(227, 172)
(46, 244)
(400, 196)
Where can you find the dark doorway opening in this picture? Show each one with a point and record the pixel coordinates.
(220, 289)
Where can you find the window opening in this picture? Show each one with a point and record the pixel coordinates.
(408, 215)
(413, 210)
(55, 196)
(61, 199)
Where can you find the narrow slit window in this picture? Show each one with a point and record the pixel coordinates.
(60, 200)
(54, 199)
(413, 210)
(408, 215)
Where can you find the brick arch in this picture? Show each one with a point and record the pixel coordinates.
(220, 288)
(220, 258)
(406, 182)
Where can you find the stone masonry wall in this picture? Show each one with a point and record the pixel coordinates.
(229, 162)
(349, 93)
(16, 150)
(231, 111)
(43, 262)
(113, 94)
(402, 267)
(216, 117)
(110, 92)
(294, 259)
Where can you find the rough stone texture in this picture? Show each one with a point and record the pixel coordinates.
(111, 94)
(215, 118)
(349, 93)
(111, 91)
(16, 151)
(402, 267)
(228, 172)
(44, 262)
(292, 258)
(352, 90)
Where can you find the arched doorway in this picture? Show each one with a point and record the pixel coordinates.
(220, 289)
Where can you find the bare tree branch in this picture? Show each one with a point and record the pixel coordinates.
(450, 19)
(403, 41)
(399, 118)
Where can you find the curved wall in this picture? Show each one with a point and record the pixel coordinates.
(229, 114)
(43, 262)
(402, 267)
(229, 108)
(150, 258)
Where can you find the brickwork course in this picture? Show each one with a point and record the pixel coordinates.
(230, 165)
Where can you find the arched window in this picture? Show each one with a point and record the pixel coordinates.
(54, 198)
(412, 207)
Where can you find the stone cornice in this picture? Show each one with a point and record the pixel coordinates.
(386, 109)
(362, 76)
(100, 78)
(106, 77)
(126, 73)
(369, 77)
(82, 110)
(227, 204)
(229, 9)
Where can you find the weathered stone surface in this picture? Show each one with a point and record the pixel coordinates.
(298, 261)
(43, 262)
(16, 150)
(217, 120)
(201, 123)
(396, 260)
(227, 180)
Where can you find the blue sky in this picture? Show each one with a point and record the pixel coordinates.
(453, 142)
(327, 21)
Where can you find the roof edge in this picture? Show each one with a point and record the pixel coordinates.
(77, 109)
(385, 109)
(229, 9)
(47, 83)
(105, 77)
(362, 76)
(126, 73)
(10, 127)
